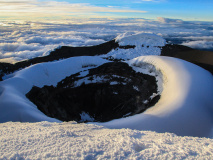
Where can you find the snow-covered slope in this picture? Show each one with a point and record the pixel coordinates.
(139, 39)
(145, 44)
(185, 106)
(47, 140)
(14, 106)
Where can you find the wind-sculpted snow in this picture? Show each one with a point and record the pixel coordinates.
(47, 140)
(185, 106)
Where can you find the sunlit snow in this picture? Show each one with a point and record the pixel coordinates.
(185, 108)
(45, 140)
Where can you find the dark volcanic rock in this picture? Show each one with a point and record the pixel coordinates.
(203, 59)
(112, 90)
(60, 53)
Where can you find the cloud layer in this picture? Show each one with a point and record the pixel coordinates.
(207, 45)
(21, 40)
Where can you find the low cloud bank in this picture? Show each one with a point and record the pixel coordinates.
(21, 40)
(207, 45)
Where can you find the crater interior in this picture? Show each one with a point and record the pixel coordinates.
(110, 91)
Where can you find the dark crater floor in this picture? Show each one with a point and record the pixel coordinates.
(110, 91)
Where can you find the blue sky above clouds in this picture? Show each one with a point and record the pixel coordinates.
(197, 10)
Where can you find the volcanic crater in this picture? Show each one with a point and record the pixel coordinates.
(99, 94)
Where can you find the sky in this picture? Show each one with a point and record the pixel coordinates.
(196, 10)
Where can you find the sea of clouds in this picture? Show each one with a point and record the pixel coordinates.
(20, 40)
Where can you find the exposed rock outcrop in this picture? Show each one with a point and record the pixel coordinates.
(203, 59)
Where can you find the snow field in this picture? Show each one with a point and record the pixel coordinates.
(145, 44)
(185, 107)
(46, 140)
(139, 39)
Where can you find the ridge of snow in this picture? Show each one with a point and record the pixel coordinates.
(138, 39)
(185, 107)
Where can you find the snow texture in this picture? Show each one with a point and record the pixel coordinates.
(46, 140)
(130, 38)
